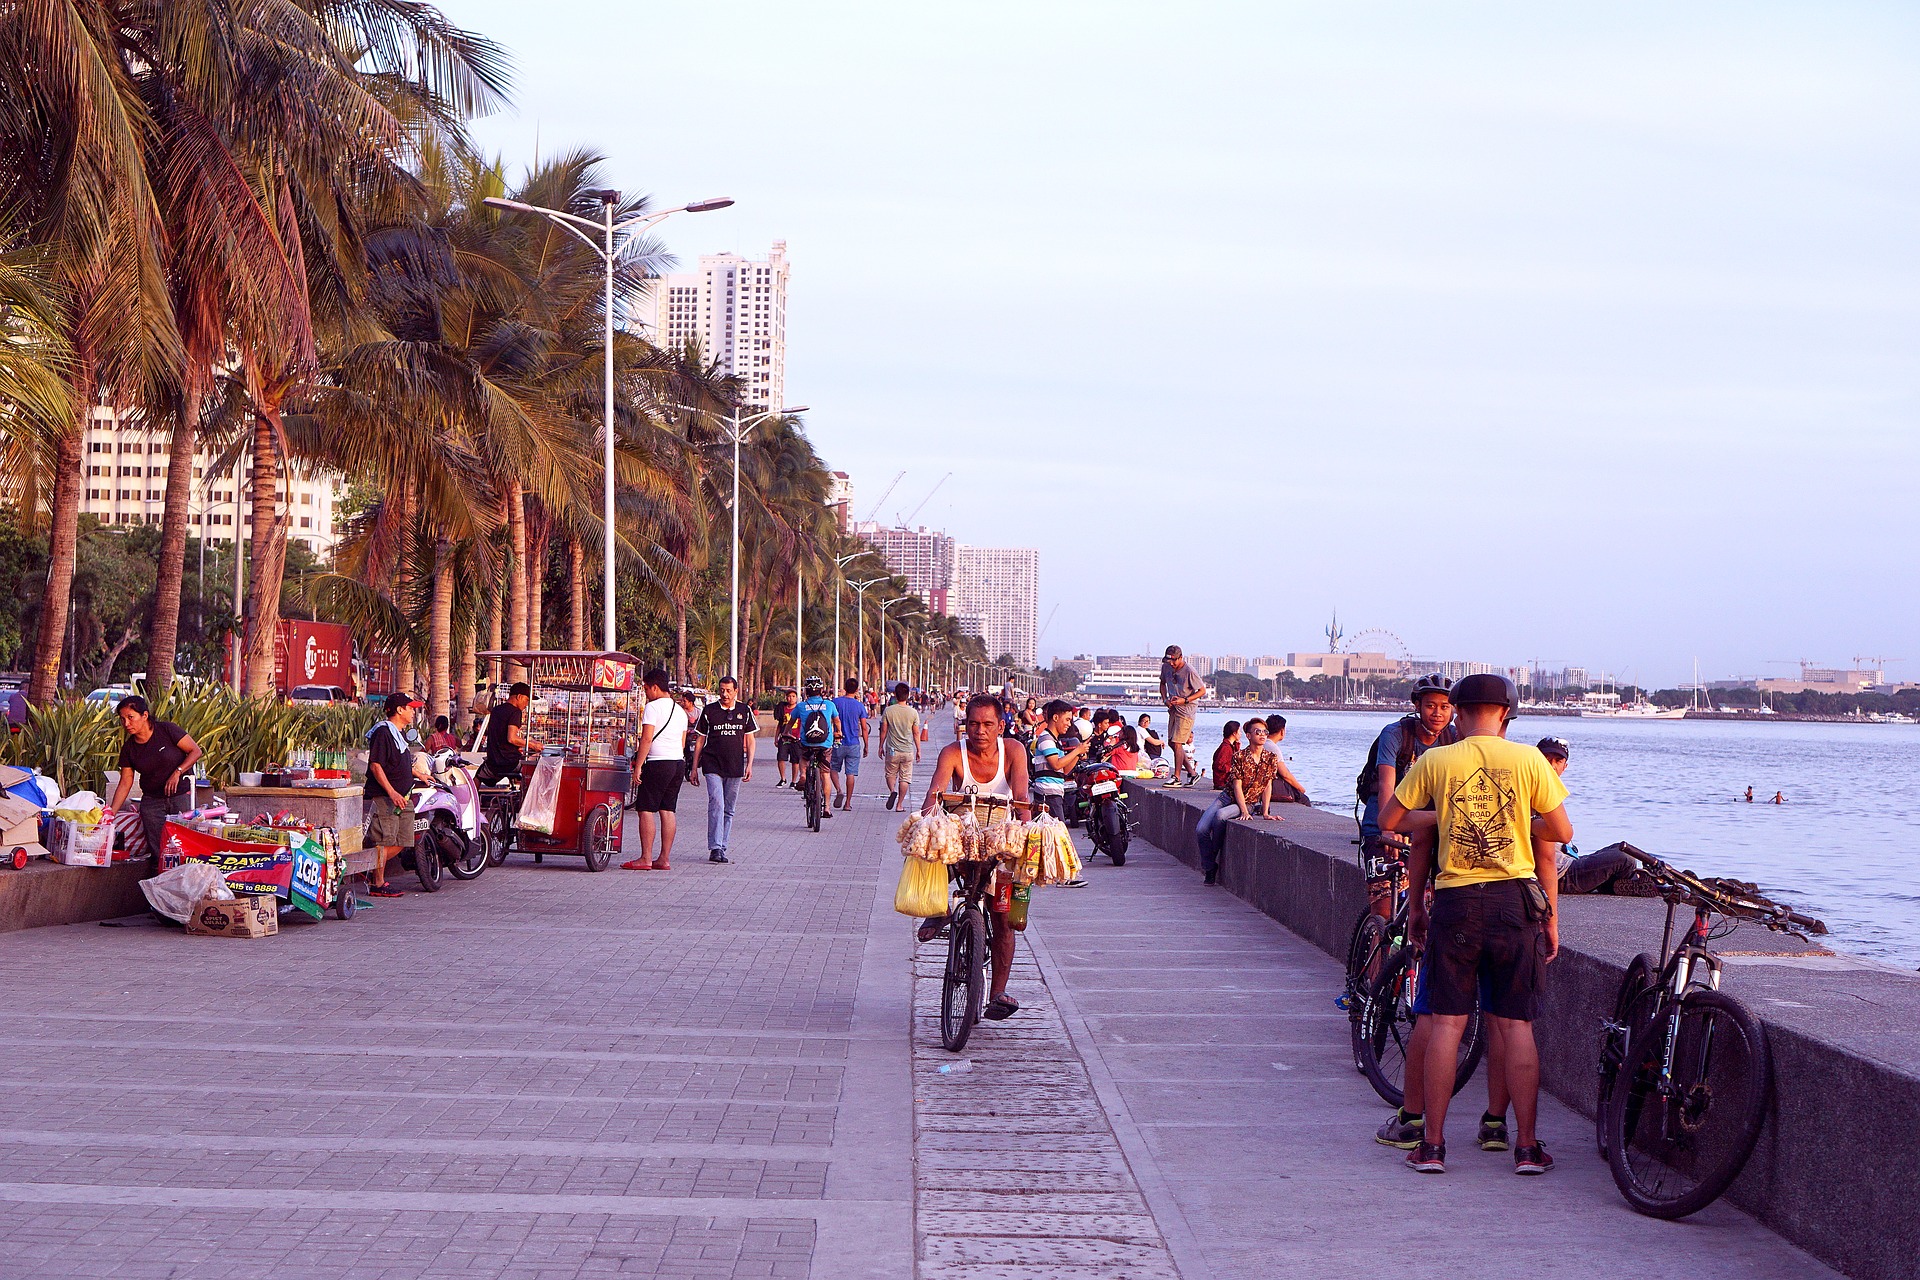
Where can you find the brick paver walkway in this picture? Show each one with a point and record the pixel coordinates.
(733, 1071)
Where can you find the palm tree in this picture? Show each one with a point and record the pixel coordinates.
(33, 367)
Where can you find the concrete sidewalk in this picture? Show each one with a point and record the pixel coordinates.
(701, 1073)
(1211, 1036)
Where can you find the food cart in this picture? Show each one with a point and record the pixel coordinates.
(585, 720)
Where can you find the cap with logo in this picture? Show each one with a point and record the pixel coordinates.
(395, 701)
(1555, 747)
(1173, 651)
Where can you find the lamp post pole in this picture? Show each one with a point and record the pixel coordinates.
(884, 606)
(607, 228)
(859, 623)
(838, 586)
(741, 426)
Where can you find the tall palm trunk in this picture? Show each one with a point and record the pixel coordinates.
(165, 636)
(405, 678)
(63, 545)
(680, 641)
(495, 640)
(440, 634)
(516, 574)
(576, 593)
(538, 535)
(468, 668)
(269, 550)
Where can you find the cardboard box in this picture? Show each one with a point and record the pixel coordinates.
(19, 821)
(253, 915)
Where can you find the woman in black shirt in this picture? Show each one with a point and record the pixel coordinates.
(162, 754)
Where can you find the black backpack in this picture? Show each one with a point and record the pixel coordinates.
(814, 729)
(1369, 780)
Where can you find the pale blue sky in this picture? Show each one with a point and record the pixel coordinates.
(1524, 330)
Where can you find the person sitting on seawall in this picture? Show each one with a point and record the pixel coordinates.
(1224, 753)
(163, 755)
(1598, 872)
(1150, 740)
(1126, 755)
(1286, 787)
(1249, 783)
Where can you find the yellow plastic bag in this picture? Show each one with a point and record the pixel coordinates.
(923, 889)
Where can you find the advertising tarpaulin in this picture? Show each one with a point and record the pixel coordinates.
(249, 868)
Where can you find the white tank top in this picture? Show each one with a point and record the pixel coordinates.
(994, 786)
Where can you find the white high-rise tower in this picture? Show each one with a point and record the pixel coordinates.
(737, 308)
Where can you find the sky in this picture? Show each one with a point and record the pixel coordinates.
(1578, 334)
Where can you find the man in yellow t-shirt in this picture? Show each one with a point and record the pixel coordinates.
(1490, 800)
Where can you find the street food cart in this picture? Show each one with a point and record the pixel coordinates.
(585, 720)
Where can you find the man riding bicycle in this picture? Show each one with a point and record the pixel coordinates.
(984, 763)
(819, 722)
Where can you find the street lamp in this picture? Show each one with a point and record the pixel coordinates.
(859, 625)
(838, 563)
(739, 433)
(884, 606)
(608, 228)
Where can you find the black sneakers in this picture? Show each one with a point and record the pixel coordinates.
(717, 855)
(1493, 1133)
(1427, 1158)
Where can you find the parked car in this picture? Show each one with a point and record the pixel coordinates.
(320, 693)
(110, 693)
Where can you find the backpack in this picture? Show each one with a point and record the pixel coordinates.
(814, 729)
(1368, 782)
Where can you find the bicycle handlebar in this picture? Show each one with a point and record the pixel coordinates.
(1715, 895)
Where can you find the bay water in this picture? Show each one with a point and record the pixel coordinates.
(1844, 847)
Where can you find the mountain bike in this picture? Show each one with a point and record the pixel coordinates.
(813, 761)
(1374, 938)
(1386, 1026)
(1684, 1067)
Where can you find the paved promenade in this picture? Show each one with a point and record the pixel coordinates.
(729, 1071)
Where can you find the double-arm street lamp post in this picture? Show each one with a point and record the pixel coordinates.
(884, 606)
(839, 562)
(859, 623)
(738, 432)
(607, 228)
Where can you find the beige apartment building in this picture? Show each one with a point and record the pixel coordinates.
(737, 308)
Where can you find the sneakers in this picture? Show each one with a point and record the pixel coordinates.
(1533, 1159)
(1493, 1134)
(1427, 1158)
(717, 855)
(1402, 1133)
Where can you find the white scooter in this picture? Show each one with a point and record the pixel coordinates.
(448, 828)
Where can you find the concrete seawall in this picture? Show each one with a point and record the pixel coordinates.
(1831, 1171)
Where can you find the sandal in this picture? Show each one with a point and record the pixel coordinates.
(385, 891)
(930, 930)
(660, 866)
(638, 864)
(1000, 1008)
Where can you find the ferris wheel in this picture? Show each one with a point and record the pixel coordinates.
(1379, 640)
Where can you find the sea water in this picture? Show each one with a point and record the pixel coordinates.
(1844, 847)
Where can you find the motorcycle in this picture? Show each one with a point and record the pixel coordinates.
(1100, 804)
(449, 829)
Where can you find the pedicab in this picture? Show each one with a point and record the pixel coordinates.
(584, 717)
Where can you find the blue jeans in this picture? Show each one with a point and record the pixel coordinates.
(721, 793)
(1210, 833)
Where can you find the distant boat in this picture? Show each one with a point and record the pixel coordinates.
(1641, 710)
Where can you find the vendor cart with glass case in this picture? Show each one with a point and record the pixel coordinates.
(584, 718)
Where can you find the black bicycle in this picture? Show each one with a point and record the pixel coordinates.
(1684, 1067)
(1383, 985)
(813, 761)
(963, 985)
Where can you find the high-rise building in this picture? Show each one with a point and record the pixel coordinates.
(1202, 665)
(1230, 662)
(923, 556)
(998, 589)
(840, 498)
(737, 308)
(123, 469)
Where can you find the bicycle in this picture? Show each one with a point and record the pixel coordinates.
(963, 983)
(813, 760)
(1694, 1062)
(1383, 981)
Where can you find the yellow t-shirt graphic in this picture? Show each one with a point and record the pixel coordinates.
(1486, 792)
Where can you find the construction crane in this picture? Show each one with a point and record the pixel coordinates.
(884, 494)
(908, 518)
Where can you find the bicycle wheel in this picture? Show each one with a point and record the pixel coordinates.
(1633, 1005)
(1386, 1028)
(1364, 950)
(814, 805)
(500, 832)
(1676, 1141)
(965, 982)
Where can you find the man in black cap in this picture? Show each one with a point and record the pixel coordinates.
(1180, 688)
(389, 814)
(1493, 920)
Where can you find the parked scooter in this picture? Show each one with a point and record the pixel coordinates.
(449, 829)
(1100, 803)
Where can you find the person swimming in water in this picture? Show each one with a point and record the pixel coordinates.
(1778, 798)
(1749, 795)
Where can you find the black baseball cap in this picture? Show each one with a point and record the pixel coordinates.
(395, 701)
(1173, 651)
(1555, 747)
(1486, 688)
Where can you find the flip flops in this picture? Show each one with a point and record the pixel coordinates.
(1000, 1008)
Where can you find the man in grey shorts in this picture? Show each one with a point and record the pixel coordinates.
(1180, 688)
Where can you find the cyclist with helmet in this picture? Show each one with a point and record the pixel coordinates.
(1392, 755)
(819, 722)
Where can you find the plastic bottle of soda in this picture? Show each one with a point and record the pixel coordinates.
(1017, 913)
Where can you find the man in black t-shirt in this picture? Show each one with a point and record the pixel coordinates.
(506, 734)
(389, 813)
(723, 756)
